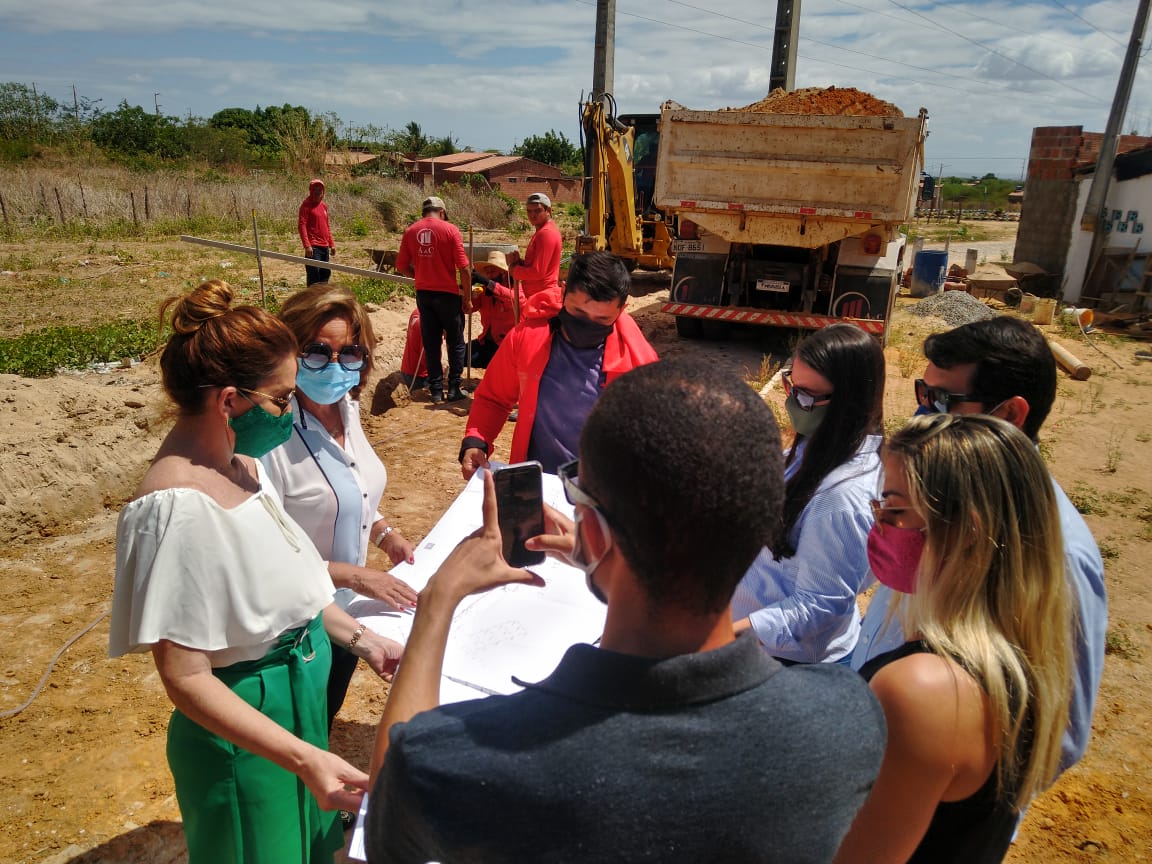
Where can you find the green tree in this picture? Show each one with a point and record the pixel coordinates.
(242, 120)
(132, 131)
(552, 148)
(264, 127)
(303, 141)
(411, 139)
(216, 146)
(26, 114)
(441, 146)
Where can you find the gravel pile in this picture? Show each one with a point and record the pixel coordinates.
(954, 307)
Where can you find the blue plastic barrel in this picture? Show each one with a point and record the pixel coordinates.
(928, 271)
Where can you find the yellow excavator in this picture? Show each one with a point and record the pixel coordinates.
(620, 172)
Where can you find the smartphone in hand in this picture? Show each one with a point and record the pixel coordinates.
(520, 510)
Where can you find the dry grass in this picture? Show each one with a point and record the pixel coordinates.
(97, 264)
(111, 202)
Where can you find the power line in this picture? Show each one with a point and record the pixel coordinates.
(876, 72)
(1080, 17)
(763, 47)
(722, 15)
(956, 8)
(931, 25)
(965, 78)
(1000, 54)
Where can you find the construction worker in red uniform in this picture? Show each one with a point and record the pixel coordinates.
(315, 232)
(539, 269)
(492, 298)
(432, 251)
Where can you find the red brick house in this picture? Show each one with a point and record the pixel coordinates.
(515, 176)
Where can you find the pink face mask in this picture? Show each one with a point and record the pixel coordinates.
(894, 554)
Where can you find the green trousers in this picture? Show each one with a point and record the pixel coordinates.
(239, 808)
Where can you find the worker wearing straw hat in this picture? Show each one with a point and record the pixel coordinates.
(492, 298)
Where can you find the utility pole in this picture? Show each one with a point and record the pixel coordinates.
(940, 189)
(1107, 158)
(1098, 192)
(604, 60)
(156, 102)
(783, 69)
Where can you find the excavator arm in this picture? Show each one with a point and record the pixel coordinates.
(610, 193)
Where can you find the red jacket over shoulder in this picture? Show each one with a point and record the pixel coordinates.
(513, 377)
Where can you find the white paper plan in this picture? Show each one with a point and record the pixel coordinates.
(516, 632)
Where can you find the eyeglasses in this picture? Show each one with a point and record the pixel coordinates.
(569, 473)
(940, 400)
(806, 399)
(569, 477)
(316, 355)
(281, 402)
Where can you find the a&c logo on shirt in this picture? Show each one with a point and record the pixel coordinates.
(424, 236)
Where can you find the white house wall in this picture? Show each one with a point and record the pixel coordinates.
(1127, 223)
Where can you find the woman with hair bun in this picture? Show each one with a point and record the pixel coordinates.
(234, 601)
(976, 702)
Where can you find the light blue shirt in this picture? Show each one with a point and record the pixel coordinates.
(331, 491)
(1085, 570)
(803, 608)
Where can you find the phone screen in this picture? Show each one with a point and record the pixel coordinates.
(520, 510)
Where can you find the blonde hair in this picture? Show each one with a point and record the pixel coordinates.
(306, 311)
(215, 343)
(991, 593)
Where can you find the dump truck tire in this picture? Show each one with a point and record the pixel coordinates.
(689, 328)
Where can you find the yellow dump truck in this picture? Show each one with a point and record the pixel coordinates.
(785, 220)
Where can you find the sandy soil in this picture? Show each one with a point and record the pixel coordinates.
(83, 776)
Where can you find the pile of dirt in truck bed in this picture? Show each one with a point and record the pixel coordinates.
(823, 100)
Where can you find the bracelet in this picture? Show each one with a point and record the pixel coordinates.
(383, 534)
(355, 637)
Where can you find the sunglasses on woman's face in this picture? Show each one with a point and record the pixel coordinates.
(317, 355)
(806, 399)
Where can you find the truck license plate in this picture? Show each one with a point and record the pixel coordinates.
(688, 246)
(774, 285)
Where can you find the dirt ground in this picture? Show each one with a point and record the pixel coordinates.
(83, 776)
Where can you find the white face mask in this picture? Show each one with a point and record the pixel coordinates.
(577, 557)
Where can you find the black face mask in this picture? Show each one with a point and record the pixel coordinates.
(581, 332)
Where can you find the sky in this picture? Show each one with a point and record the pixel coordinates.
(493, 73)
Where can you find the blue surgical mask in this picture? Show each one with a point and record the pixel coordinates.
(328, 385)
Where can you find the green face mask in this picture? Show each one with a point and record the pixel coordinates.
(258, 432)
(804, 422)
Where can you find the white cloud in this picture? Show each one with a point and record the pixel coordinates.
(493, 73)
